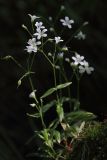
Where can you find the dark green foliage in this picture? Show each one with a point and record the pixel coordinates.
(92, 144)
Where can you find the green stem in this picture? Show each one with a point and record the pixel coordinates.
(30, 67)
(14, 60)
(68, 88)
(78, 88)
(74, 34)
(46, 57)
(54, 72)
(32, 28)
(41, 114)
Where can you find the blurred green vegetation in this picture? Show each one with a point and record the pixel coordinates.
(13, 101)
(92, 145)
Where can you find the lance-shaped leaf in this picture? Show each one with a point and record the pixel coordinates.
(61, 86)
(46, 107)
(52, 90)
(48, 92)
(76, 116)
(60, 112)
(35, 115)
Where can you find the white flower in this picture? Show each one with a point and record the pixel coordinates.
(57, 67)
(85, 68)
(32, 45)
(58, 39)
(65, 48)
(60, 55)
(32, 104)
(39, 25)
(41, 33)
(78, 59)
(67, 60)
(67, 22)
(33, 42)
(50, 18)
(33, 17)
(80, 36)
(50, 54)
(62, 8)
(32, 94)
(51, 29)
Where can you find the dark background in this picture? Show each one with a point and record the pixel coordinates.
(15, 127)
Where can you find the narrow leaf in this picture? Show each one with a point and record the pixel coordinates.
(52, 90)
(60, 112)
(48, 92)
(46, 107)
(35, 115)
(76, 116)
(61, 86)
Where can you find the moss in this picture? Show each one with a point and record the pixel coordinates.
(92, 145)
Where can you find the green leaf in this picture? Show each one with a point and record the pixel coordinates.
(57, 136)
(46, 107)
(77, 128)
(60, 112)
(76, 116)
(52, 90)
(64, 99)
(54, 124)
(61, 86)
(48, 92)
(35, 115)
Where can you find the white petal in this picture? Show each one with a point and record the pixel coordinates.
(44, 35)
(62, 20)
(69, 26)
(71, 21)
(67, 18)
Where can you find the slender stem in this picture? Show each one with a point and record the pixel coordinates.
(68, 88)
(14, 60)
(42, 44)
(30, 67)
(41, 114)
(78, 88)
(74, 34)
(60, 78)
(32, 28)
(54, 72)
(29, 32)
(46, 57)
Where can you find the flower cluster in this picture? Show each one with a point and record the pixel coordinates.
(32, 45)
(80, 35)
(82, 64)
(41, 32)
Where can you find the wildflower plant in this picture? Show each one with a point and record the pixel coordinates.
(59, 135)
